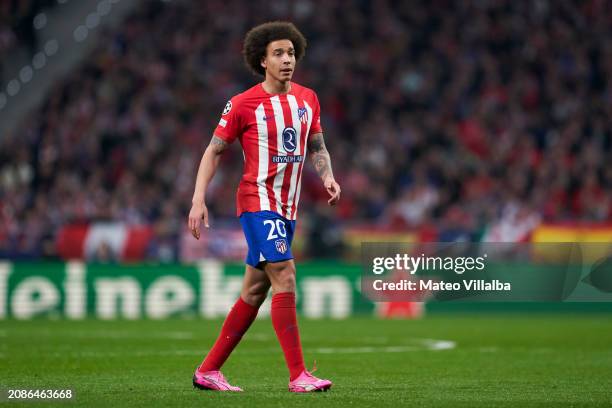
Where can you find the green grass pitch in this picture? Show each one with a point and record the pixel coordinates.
(440, 361)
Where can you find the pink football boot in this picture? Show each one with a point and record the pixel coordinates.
(307, 382)
(212, 380)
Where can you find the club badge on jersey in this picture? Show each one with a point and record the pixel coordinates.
(303, 115)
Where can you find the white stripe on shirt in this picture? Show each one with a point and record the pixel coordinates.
(293, 106)
(280, 172)
(299, 186)
(262, 142)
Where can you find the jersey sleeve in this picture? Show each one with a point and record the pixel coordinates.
(230, 125)
(316, 117)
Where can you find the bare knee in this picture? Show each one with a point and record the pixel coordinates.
(256, 293)
(282, 276)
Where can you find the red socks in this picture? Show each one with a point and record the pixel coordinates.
(236, 324)
(284, 321)
(240, 319)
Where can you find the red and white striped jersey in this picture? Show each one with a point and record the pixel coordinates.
(273, 130)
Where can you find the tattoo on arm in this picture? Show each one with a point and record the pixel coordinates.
(320, 156)
(218, 145)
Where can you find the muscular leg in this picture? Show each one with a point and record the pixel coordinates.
(284, 319)
(281, 276)
(255, 286)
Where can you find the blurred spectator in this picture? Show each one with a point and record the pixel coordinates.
(103, 254)
(324, 234)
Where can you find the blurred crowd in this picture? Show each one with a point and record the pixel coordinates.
(457, 115)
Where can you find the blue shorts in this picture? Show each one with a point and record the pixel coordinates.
(269, 237)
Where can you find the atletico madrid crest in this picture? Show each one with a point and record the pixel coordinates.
(281, 245)
(303, 115)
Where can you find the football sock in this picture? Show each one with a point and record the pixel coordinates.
(285, 325)
(235, 325)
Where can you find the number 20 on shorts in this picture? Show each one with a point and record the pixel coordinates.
(276, 227)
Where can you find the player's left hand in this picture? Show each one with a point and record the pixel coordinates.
(333, 189)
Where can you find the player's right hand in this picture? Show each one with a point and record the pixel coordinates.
(198, 213)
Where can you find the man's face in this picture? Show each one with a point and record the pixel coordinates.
(279, 61)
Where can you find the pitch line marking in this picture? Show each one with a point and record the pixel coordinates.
(422, 344)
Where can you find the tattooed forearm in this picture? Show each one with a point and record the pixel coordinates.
(218, 145)
(320, 156)
(322, 165)
(316, 143)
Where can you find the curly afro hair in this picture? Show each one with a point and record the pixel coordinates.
(258, 38)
